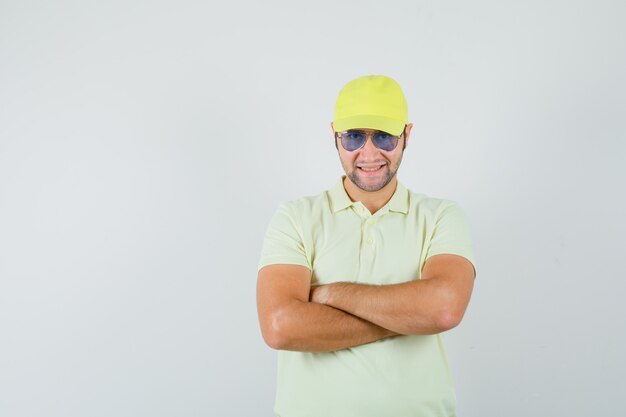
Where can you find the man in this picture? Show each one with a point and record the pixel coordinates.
(356, 284)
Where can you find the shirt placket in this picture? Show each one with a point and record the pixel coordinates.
(368, 245)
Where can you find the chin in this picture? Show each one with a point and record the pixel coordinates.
(374, 186)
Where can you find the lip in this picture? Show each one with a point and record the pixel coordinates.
(370, 166)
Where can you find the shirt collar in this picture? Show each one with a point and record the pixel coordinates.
(338, 196)
(400, 199)
(340, 200)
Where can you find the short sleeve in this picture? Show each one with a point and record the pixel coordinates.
(452, 233)
(284, 242)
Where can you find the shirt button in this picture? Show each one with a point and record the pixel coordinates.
(370, 241)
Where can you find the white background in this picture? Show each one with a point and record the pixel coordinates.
(144, 146)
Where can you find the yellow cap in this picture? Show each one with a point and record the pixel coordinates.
(371, 102)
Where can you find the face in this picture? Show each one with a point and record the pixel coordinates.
(370, 168)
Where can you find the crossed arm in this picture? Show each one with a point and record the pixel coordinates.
(295, 316)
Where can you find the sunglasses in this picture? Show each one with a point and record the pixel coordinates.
(351, 140)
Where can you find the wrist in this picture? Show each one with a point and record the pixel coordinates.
(319, 294)
(334, 292)
(323, 294)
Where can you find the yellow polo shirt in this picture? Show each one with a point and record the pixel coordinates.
(340, 240)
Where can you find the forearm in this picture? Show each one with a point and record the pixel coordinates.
(415, 307)
(312, 327)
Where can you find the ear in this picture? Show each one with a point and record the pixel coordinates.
(334, 136)
(407, 132)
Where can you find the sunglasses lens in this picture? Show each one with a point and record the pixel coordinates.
(385, 141)
(352, 141)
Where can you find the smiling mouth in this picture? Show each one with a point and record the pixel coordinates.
(371, 168)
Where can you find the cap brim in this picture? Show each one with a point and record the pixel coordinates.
(392, 126)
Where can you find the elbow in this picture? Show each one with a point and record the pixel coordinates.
(451, 314)
(448, 319)
(275, 333)
(274, 341)
(271, 338)
(451, 311)
(437, 322)
(444, 313)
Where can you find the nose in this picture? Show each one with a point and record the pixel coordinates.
(369, 152)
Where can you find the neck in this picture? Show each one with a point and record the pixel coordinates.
(372, 200)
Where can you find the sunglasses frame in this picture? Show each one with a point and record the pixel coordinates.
(338, 135)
